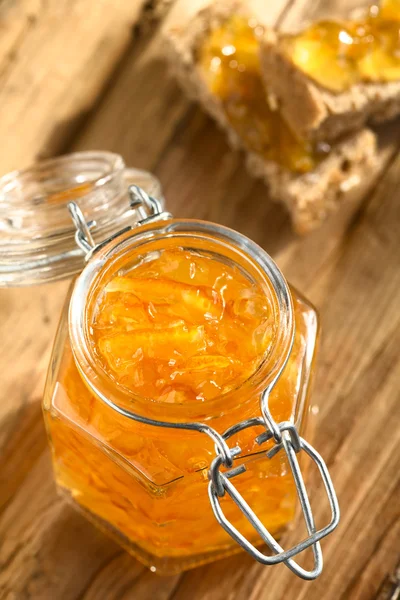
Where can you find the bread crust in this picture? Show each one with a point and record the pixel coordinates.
(310, 197)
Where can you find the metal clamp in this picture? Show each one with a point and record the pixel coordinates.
(291, 444)
(148, 209)
(284, 435)
(83, 237)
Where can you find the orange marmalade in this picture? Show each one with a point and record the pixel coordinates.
(339, 54)
(179, 324)
(182, 327)
(230, 63)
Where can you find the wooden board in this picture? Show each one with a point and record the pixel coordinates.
(55, 61)
(350, 269)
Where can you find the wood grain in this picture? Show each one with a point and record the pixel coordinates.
(350, 268)
(56, 58)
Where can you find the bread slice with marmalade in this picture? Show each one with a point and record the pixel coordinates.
(214, 51)
(334, 75)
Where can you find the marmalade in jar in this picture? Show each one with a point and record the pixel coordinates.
(181, 327)
(181, 322)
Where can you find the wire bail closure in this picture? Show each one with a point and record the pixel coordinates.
(220, 483)
(284, 435)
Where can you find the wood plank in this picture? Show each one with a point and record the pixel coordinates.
(138, 115)
(47, 550)
(55, 59)
(125, 579)
(28, 323)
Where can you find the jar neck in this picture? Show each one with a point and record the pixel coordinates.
(197, 235)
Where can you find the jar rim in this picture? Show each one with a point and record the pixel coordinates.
(112, 163)
(37, 236)
(101, 384)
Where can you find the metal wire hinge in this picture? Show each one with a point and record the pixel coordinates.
(286, 439)
(147, 208)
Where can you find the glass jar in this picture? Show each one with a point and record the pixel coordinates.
(156, 473)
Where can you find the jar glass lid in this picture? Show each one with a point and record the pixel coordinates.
(37, 236)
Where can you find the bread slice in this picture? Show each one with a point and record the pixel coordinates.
(324, 115)
(310, 197)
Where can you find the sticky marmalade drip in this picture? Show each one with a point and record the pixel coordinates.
(339, 54)
(181, 327)
(229, 59)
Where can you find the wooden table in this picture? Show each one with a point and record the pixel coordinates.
(113, 93)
